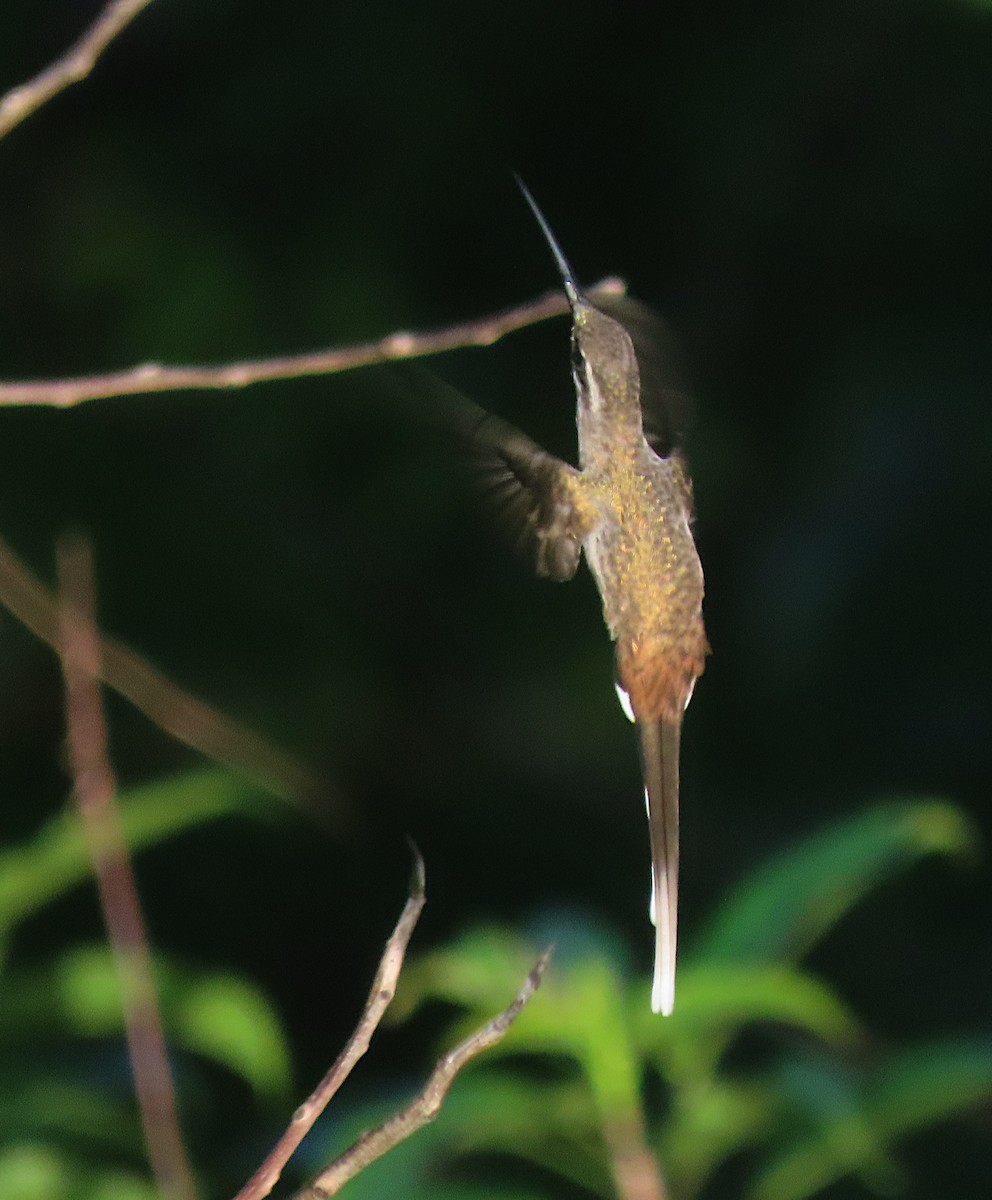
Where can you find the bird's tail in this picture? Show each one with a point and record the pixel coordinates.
(660, 763)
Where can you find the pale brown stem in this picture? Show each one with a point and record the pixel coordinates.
(188, 719)
(93, 790)
(636, 1173)
(425, 1107)
(20, 102)
(154, 377)
(380, 995)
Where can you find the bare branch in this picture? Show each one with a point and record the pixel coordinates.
(72, 67)
(188, 719)
(154, 377)
(94, 789)
(425, 1107)
(382, 992)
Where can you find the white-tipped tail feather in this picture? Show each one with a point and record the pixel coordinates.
(624, 699)
(664, 919)
(660, 763)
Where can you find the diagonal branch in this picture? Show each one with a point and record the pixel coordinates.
(73, 66)
(178, 712)
(424, 1108)
(93, 792)
(383, 989)
(154, 377)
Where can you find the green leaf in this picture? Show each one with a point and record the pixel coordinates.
(578, 1011)
(480, 971)
(715, 1003)
(929, 1083)
(855, 1132)
(55, 860)
(721, 999)
(218, 1015)
(709, 1124)
(37, 1101)
(35, 1171)
(712, 1118)
(484, 1112)
(228, 1020)
(821, 1093)
(783, 909)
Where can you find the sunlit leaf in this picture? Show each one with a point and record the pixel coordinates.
(576, 1012)
(714, 1003)
(55, 859)
(719, 999)
(485, 1112)
(33, 1172)
(784, 908)
(228, 1020)
(218, 1015)
(722, 1119)
(116, 1185)
(36, 1171)
(479, 971)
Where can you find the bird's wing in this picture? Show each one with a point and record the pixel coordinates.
(665, 405)
(531, 494)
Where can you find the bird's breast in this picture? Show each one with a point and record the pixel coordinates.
(644, 560)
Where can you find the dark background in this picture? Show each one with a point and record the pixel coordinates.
(804, 191)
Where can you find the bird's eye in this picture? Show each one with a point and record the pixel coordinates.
(585, 384)
(580, 369)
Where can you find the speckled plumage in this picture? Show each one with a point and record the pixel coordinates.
(637, 538)
(628, 507)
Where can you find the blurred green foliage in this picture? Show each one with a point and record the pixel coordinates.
(68, 1124)
(803, 191)
(824, 1102)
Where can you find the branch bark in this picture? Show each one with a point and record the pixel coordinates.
(93, 791)
(20, 102)
(425, 1107)
(155, 377)
(179, 713)
(380, 996)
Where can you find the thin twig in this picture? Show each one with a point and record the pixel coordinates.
(424, 1108)
(93, 791)
(73, 66)
(154, 377)
(380, 995)
(188, 719)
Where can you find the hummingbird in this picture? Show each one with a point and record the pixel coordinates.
(628, 507)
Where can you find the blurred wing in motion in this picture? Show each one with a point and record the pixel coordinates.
(665, 405)
(530, 493)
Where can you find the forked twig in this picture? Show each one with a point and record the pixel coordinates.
(423, 1108)
(382, 991)
(154, 377)
(374, 1144)
(69, 625)
(20, 102)
(93, 791)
